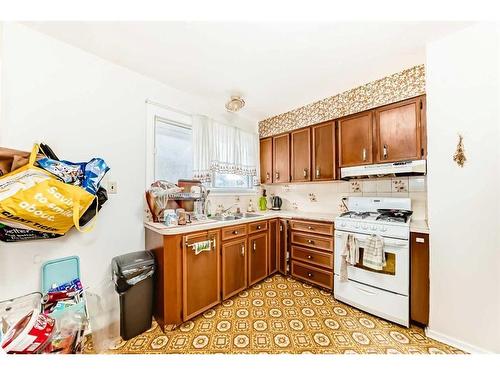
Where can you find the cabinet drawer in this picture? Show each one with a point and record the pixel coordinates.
(234, 232)
(259, 226)
(316, 242)
(312, 274)
(317, 258)
(312, 227)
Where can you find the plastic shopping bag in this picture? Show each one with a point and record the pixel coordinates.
(34, 199)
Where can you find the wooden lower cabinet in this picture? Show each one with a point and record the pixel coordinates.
(273, 246)
(234, 267)
(257, 257)
(312, 274)
(312, 254)
(200, 274)
(283, 247)
(419, 278)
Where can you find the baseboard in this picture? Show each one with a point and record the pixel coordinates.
(445, 339)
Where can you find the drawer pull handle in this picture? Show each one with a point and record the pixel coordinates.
(258, 226)
(242, 250)
(310, 241)
(309, 274)
(310, 228)
(254, 246)
(268, 176)
(363, 154)
(277, 175)
(318, 174)
(309, 257)
(235, 232)
(420, 240)
(385, 151)
(305, 172)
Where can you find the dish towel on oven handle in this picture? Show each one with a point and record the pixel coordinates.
(373, 253)
(349, 255)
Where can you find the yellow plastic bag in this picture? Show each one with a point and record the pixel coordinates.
(32, 198)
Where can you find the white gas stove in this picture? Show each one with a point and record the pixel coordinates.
(385, 292)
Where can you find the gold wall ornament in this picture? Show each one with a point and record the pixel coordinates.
(459, 156)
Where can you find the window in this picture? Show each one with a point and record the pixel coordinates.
(173, 150)
(231, 181)
(177, 148)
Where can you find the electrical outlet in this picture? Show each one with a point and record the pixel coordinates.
(112, 187)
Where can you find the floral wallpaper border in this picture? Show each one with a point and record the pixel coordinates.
(399, 86)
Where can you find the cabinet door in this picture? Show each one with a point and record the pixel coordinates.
(266, 161)
(283, 247)
(323, 152)
(398, 128)
(234, 267)
(201, 274)
(355, 139)
(301, 155)
(257, 257)
(281, 158)
(273, 245)
(419, 279)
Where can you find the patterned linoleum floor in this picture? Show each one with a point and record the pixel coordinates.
(282, 315)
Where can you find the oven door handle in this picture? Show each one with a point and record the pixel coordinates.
(387, 243)
(366, 291)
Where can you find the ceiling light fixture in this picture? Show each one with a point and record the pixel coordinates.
(235, 104)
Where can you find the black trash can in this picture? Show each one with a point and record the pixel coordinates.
(133, 277)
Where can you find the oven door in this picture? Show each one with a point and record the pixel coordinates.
(394, 277)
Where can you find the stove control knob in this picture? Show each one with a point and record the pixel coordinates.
(356, 225)
(364, 226)
(384, 229)
(373, 227)
(342, 224)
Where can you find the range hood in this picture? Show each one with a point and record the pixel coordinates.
(404, 168)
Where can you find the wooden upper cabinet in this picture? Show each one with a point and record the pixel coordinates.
(266, 161)
(301, 155)
(323, 152)
(399, 135)
(281, 158)
(355, 139)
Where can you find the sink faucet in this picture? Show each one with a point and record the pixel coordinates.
(224, 210)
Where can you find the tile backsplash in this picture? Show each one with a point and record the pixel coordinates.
(327, 196)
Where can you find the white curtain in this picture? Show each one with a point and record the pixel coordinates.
(223, 149)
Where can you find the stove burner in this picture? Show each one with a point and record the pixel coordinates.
(398, 216)
(357, 215)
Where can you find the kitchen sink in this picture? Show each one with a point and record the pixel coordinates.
(235, 217)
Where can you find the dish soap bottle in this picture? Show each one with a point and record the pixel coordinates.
(263, 201)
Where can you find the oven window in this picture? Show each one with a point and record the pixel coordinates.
(390, 263)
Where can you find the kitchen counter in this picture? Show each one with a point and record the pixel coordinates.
(419, 226)
(263, 215)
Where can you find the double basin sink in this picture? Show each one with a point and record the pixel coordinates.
(235, 217)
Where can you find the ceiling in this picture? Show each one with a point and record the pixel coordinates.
(276, 66)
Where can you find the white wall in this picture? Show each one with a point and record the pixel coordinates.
(83, 107)
(464, 203)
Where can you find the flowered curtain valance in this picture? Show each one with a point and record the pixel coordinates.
(223, 149)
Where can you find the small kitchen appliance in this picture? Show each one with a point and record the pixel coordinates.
(276, 203)
(384, 292)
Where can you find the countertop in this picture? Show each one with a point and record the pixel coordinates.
(263, 215)
(418, 226)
